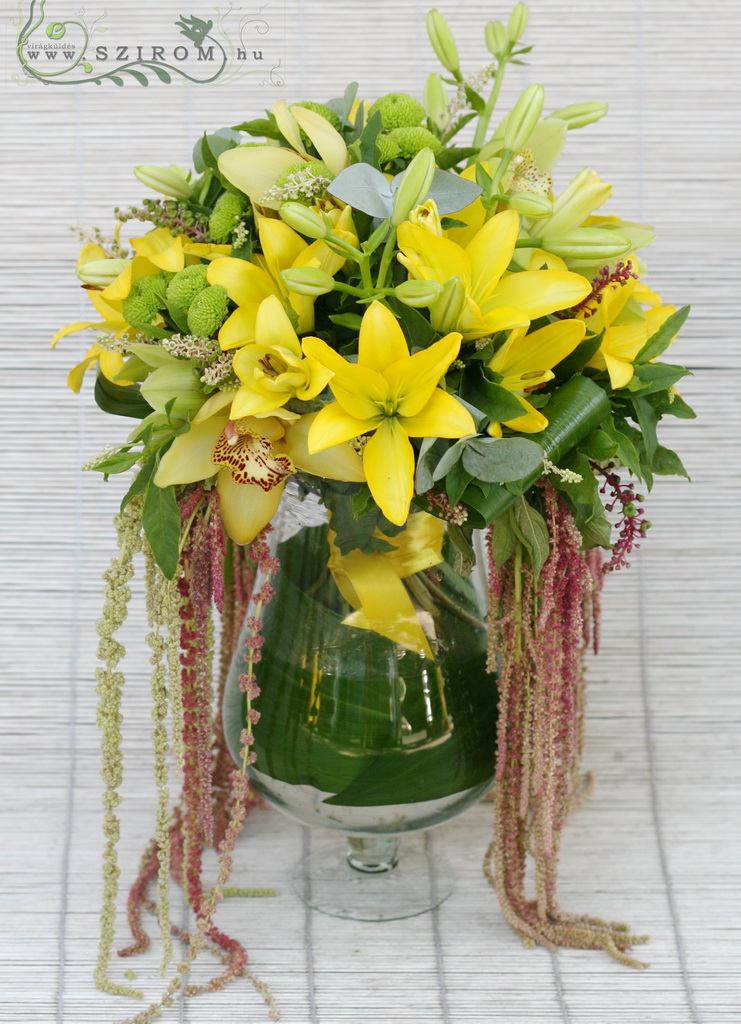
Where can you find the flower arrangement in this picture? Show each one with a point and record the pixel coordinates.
(416, 330)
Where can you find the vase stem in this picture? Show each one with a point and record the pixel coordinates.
(372, 854)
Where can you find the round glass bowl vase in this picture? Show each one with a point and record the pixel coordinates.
(360, 735)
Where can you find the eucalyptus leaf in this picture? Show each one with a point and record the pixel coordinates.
(450, 192)
(449, 459)
(456, 482)
(501, 459)
(364, 188)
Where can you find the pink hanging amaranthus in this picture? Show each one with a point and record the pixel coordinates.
(216, 796)
(537, 646)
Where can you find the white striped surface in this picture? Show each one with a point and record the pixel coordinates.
(657, 844)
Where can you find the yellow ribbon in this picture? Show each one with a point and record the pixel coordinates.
(371, 583)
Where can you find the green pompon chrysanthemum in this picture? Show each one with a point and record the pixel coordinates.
(387, 149)
(320, 108)
(398, 110)
(225, 217)
(146, 298)
(208, 311)
(186, 284)
(411, 140)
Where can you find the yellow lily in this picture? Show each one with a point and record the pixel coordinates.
(394, 394)
(525, 362)
(626, 327)
(273, 370)
(249, 283)
(494, 299)
(255, 169)
(112, 322)
(172, 252)
(251, 458)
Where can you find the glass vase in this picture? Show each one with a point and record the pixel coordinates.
(361, 734)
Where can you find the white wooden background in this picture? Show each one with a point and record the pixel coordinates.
(657, 844)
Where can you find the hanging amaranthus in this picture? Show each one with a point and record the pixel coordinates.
(539, 643)
(216, 797)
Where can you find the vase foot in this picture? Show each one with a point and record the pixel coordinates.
(374, 879)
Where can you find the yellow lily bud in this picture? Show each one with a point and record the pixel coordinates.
(517, 22)
(436, 101)
(170, 181)
(531, 205)
(523, 117)
(304, 220)
(418, 293)
(427, 217)
(447, 308)
(101, 273)
(496, 38)
(581, 197)
(414, 185)
(580, 114)
(442, 40)
(308, 281)
(586, 244)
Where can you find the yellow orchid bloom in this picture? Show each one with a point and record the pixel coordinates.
(255, 169)
(494, 299)
(249, 283)
(251, 458)
(394, 394)
(526, 362)
(273, 370)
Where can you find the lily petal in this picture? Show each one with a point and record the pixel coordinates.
(339, 462)
(537, 292)
(327, 140)
(243, 281)
(254, 169)
(491, 251)
(388, 461)
(541, 350)
(382, 340)
(429, 258)
(443, 416)
(274, 328)
(361, 391)
(333, 425)
(287, 124)
(413, 380)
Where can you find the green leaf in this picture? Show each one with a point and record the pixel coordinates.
(343, 106)
(661, 340)
(259, 126)
(619, 431)
(118, 462)
(417, 329)
(161, 522)
(431, 450)
(207, 151)
(498, 403)
(584, 490)
(140, 482)
(647, 418)
(596, 532)
(667, 463)
(532, 530)
(451, 192)
(503, 539)
(499, 460)
(576, 361)
(452, 156)
(575, 409)
(473, 99)
(367, 141)
(598, 446)
(456, 482)
(120, 401)
(651, 377)
(362, 502)
(671, 403)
